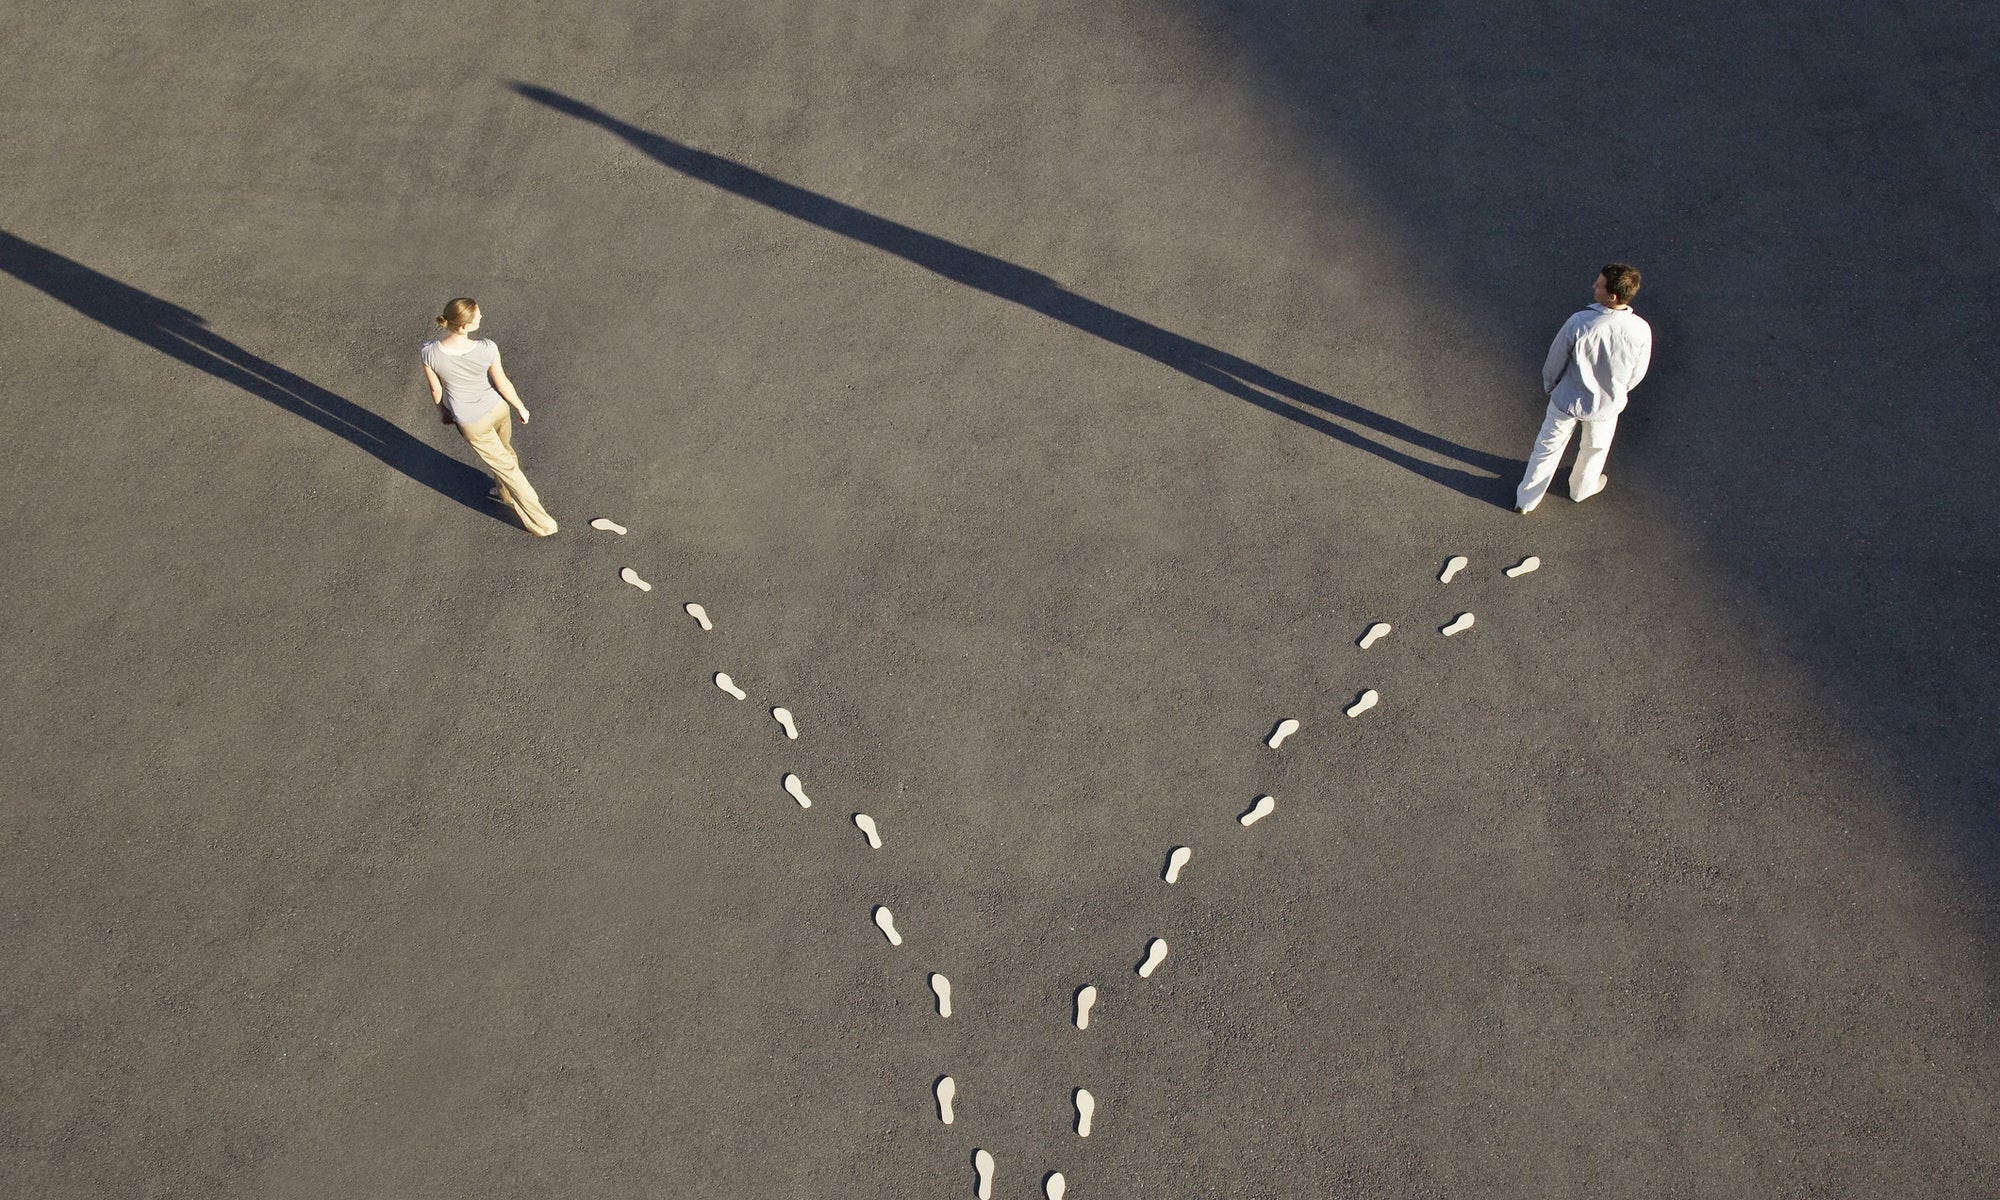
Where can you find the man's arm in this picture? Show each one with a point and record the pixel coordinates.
(1642, 360)
(1557, 363)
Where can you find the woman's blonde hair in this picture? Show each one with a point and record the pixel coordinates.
(458, 314)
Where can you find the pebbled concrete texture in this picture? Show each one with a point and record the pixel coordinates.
(1042, 399)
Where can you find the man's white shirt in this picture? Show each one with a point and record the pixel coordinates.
(1600, 355)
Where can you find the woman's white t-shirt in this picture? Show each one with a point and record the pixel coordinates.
(467, 387)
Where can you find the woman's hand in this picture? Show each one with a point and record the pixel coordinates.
(521, 411)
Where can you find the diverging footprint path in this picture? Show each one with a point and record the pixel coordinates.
(1373, 700)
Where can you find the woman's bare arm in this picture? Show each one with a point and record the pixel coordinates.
(505, 387)
(437, 385)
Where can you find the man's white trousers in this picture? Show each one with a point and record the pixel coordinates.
(1586, 478)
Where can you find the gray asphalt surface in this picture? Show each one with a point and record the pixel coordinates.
(1042, 399)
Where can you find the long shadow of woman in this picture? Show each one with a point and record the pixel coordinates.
(183, 335)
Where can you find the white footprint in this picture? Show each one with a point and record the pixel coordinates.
(942, 987)
(982, 1162)
(886, 922)
(723, 681)
(1156, 953)
(947, 1091)
(632, 577)
(1177, 860)
(1459, 624)
(1086, 996)
(1523, 567)
(1453, 566)
(784, 716)
(1376, 633)
(866, 824)
(798, 791)
(1363, 702)
(700, 615)
(608, 525)
(1285, 729)
(1258, 811)
(1056, 1186)
(1086, 1107)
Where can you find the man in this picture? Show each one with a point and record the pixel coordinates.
(1600, 355)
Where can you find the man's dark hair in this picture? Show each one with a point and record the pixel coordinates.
(1622, 281)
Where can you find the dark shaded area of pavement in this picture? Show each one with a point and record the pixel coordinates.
(1812, 195)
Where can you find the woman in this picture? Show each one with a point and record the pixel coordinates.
(473, 392)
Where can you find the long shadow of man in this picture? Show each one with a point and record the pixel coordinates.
(1330, 415)
(183, 335)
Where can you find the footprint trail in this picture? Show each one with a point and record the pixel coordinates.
(1055, 1184)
